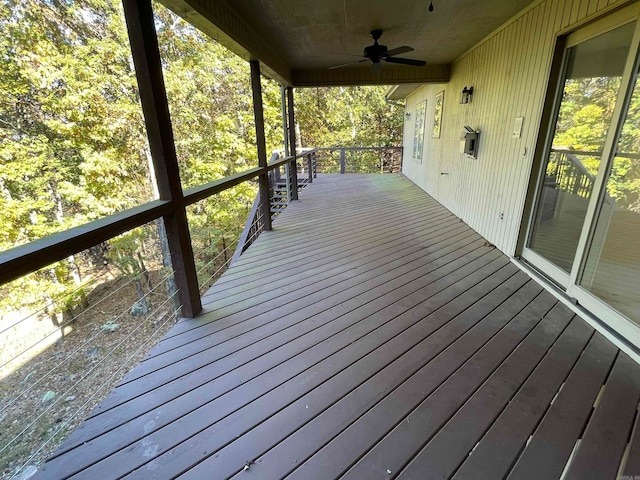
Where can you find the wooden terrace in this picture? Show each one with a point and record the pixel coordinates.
(370, 335)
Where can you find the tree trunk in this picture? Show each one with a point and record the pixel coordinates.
(166, 262)
(145, 272)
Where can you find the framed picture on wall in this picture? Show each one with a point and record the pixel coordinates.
(418, 133)
(437, 115)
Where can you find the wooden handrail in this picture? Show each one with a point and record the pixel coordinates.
(28, 258)
(195, 194)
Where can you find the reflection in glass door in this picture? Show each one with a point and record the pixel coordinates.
(592, 79)
(612, 267)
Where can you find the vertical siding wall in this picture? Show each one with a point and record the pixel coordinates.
(509, 73)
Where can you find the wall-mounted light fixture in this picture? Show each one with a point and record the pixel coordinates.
(407, 115)
(465, 96)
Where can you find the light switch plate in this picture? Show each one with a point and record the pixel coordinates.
(517, 127)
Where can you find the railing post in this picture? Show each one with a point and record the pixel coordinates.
(577, 184)
(314, 164)
(258, 113)
(310, 167)
(287, 176)
(153, 97)
(293, 170)
(343, 162)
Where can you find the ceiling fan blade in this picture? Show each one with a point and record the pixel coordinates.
(347, 64)
(405, 61)
(359, 55)
(399, 50)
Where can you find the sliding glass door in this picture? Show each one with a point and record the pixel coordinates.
(584, 232)
(612, 266)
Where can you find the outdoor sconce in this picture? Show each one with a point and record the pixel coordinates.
(465, 96)
(407, 116)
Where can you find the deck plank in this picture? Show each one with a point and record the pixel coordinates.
(262, 394)
(370, 331)
(522, 341)
(236, 393)
(604, 440)
(442, 456)
(548, 451)
(506, 437)
(316, 312)
(337, 456)
(303, 295)
(232, 354)
(348, 270)
(632, 465)
(460, 315)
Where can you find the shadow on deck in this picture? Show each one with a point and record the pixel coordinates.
(371, 334)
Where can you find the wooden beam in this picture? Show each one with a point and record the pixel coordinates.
(195, 194)
(148, 66)
(293, 169)
(285, 123)
(37, 254)
(32, 256)
(258, 113)
(390, 75)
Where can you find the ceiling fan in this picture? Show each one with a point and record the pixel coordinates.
(376, 53)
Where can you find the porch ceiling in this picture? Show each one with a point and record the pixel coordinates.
(297, 40)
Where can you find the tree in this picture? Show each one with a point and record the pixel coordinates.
(347, 116)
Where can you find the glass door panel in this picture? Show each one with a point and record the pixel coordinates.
(612, 267)
(592, 79)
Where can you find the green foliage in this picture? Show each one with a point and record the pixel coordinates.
(123, 251)
(75, 300)
(73, 144)
(210, 99)
(347, 116)
(583, 124)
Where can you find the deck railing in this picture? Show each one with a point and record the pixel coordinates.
(359, 159)
(569, 173)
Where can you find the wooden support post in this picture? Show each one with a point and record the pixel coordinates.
(285, 127)
(258, 113)
(285, 132)
(310, 167)
(343, 161)
(293, 169)
(147, 62)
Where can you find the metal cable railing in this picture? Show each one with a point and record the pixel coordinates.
(105, 386)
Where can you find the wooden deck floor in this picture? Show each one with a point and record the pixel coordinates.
(370, 335)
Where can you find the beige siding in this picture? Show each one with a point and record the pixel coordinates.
(509, 72)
